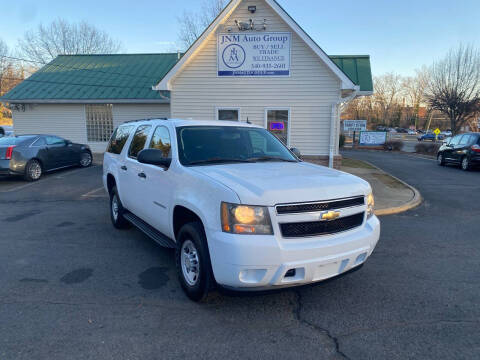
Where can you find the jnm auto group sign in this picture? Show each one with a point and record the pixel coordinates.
(257, 54)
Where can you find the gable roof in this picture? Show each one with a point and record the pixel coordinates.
(164, 84)
(96, 78)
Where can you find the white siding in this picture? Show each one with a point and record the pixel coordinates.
(309, 92)
(127, 112)
(68, 120)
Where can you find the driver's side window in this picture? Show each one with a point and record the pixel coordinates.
(455, 140)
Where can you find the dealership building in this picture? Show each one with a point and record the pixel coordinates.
(253, 63)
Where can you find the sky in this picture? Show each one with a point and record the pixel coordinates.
(399, 35)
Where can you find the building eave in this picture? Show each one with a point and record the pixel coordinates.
(86, 101)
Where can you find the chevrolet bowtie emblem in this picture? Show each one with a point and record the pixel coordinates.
(330, 215)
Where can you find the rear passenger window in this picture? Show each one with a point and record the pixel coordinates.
(161, 141)
(119, 138)
(139, 140)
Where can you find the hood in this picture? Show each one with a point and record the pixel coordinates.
(275, 183)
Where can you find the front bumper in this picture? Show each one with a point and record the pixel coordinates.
(262, 262)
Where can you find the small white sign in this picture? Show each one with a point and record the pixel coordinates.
(373, 138)
(355, 125)
(254, 54)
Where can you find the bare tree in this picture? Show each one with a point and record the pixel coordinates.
(388, 88)
(414, 90)
(454, 85)
(61, 37)
(193, 24)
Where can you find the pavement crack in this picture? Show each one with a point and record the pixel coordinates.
(298, 315)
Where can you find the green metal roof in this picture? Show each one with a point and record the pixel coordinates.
(129, 78)
(357, 68)
(97, 77)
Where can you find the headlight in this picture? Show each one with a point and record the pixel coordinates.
(246, 220)
(370, 205)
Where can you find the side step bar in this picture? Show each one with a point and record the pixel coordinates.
(150, 231)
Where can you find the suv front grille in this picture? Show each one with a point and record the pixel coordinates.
(317, 228)
(320, 206)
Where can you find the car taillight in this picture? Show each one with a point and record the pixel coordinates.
(476, 148)
(8, 154)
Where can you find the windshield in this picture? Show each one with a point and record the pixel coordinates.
(9, 141)
(202, 145)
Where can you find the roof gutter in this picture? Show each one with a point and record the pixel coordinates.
(86, 101)
(336, 106)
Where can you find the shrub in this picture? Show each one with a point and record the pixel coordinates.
(342, 140)
(428, 149)
(395, 145)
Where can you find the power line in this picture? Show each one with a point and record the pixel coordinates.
(82, 69)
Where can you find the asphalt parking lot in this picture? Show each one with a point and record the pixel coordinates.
(72, 287)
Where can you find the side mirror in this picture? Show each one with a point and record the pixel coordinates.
(154, 157)
(296, 152)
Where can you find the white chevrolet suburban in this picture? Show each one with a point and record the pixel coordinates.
(241, 209)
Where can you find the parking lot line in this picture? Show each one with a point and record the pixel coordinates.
(92, 194)
(17, 188)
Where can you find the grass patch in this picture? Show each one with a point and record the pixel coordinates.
(352, 163)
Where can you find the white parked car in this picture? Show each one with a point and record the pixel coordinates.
(241, 210)
(412, 132)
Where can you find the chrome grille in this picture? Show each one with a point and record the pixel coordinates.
(320, 206)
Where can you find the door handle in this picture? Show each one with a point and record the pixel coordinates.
(124, 168)
(142, 175)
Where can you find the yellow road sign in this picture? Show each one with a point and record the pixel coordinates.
(437, 132)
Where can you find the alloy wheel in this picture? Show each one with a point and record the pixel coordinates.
(115, 207)
(190, 263)
(35, 170)
(86, 159)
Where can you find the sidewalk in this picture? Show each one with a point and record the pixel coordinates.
(392, 196)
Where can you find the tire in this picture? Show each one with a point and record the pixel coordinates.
(33, 170)
(117, 210)
(192, 252)
(86, 159)
(441, 160)
(465, 164)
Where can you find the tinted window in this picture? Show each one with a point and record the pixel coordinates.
(229, 144)
(7, 141)
(139, 140)
(161, 141)
(464, 140)
(54, 140)
(228, 114)
(40, 142)
(455, 140)
(119, 138)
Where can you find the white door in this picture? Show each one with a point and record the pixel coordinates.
(133, 182)
(157, 192)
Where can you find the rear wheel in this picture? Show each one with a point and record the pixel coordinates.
(193, 261)
(117, 211)
(441, 160)
(33, 170)
(465, 164)
(85, 159)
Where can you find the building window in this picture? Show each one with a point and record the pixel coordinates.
(277, 122)
(99, 122)
(228, 114)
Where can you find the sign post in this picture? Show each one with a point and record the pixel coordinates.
(354, 125)
(436, 132)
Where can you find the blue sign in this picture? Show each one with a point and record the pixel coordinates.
(254, 54)
(277, 126)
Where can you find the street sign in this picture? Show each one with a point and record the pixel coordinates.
(437, 131)
(355, 125)
(373, 138)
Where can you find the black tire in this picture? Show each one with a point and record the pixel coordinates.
(33, 170)
(117, 216)
(441, 159)
(194, 233)
(86, 159)
(465, 164)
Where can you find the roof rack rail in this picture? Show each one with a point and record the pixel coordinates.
(135, 121)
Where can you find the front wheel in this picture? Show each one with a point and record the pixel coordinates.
(465, 164)
(441, 160)
(193, 261)
(33, 170)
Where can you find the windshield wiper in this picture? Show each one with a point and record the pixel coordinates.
(270, 158)
(218, 161)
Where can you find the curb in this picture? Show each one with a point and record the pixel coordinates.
(416, 201)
